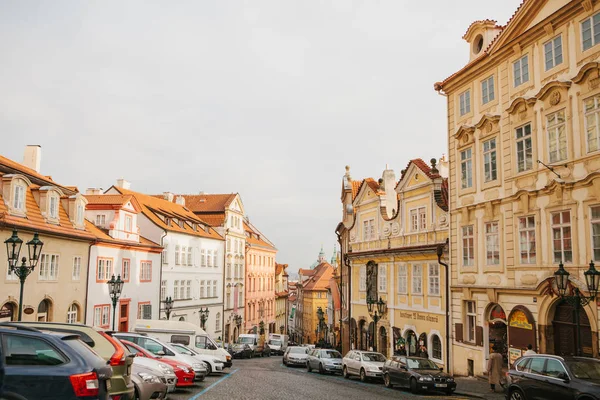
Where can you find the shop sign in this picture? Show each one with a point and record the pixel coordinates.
(498, 313)
(518, 319)
(419, 316)
(5, 313)
(513, 355)
(28, 310)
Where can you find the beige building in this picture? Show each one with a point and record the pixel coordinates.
(281, 298)
(524, 141)
(34, 203)
(393, 231)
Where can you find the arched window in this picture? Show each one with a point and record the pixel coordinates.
(73, 314)
(182, 318)
(436, 347)
(218, 322)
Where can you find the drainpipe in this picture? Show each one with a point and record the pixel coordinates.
(161, 270)
(87, 287)
(440, 252)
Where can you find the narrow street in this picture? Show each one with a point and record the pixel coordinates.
(268, 379)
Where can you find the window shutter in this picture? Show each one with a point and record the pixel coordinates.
(458, 332)
(479, 335)
(147, 311)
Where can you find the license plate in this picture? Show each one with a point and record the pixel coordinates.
(338, 367)
(108, 385)
(441, 385)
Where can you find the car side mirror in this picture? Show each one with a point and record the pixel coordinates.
(563, 376)
(160, 353)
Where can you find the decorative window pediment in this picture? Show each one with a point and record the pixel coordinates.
(554, 92)
(488, 124)
(464, 135)
(589, 72)
(77, 205)
(521, 109)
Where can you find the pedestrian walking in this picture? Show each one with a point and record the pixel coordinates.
(529, 350)
(494, 369)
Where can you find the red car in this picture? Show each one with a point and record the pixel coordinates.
(185, 374)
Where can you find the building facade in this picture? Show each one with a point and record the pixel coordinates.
(524, 150)
(315, 291)
(281, 298)
(260, 281)
(192, 259)
(34, 203)
(120, 250)
(394, 231)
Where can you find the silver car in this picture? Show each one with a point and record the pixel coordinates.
(324, 360)
(295, 355)
(365, 364)
(147, 385)
(164, 371)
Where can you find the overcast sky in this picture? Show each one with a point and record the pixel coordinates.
(270, 99)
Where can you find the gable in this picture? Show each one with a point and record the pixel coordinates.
(365, 195)
(549, 8)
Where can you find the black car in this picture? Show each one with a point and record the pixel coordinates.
(263, 350)
(240, 350)
(547, 377)
(42, 366)
(418, 374)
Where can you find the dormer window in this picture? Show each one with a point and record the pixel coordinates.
(100, 220)
(128, 223)
(79, 214)
(181, 223)
(19, 197)
(478, 44)
(53, 206)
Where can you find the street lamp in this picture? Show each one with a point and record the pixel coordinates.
(320, 316)
(238, 320)
(168, 306)
(13, 248)
(381, 307)
(115, 287)
(578, 300)
(281, 329)
(203, 316)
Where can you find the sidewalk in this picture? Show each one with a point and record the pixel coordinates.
(477, 387)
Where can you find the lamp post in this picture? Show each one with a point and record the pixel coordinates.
(281, 329)
(577, 300)
(115, 286)
(168, 306)
(13, 248)
(382, 309)
(203, 316)
(320, 317)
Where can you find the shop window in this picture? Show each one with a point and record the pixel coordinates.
(436, 347)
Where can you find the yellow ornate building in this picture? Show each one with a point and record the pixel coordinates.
(314, 291)
(524, 141)
(393, 231)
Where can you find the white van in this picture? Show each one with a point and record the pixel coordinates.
(183, 332)
(278, 342)
(251, 339)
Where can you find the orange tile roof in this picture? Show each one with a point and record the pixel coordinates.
(320, 279)
(355, 187)
(292, 298)
(335, 294)
(252, 240)
(206, 203)
(152, 207)
(108, 199)
(103, 236)
(279, 268)
(306, 272)
(22, 169)
(213, 219)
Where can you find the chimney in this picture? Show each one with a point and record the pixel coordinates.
(443, 166)
(180, 200)
(168, 196)
(33, 157)
(93, 191)
(124, 184)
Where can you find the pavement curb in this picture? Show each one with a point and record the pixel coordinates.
(469, 394)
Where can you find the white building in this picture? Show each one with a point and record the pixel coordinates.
(120, 250)
(192, 260)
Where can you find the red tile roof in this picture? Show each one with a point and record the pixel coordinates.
(108, 199)
(256, 239)
(22, 169)
(335, 294)
(279, 268)
(103, 236)
(355, 187)
(208, 203)
(212, 219)
(320, 279)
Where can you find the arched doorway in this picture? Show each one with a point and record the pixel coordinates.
(497, 332)
(44, 312)
(235, 334)
(353, 334)
(362, 327)
(8, 312)
(382, 347)
(411, 343)
(565, 338)
(521, 332)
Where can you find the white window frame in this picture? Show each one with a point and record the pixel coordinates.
(488, 92)
(76, 272)
(53, 206)
(165, 254)
(163, 290)
(203, 258)
(188, 289)
(468, 252)
(417, 279)
(79, 213)
(72, 314)
(402, 279)
(176, 290)
(470, 320)
(49, 267)
(521, 71)
(203, 289)
(490, 160)
(145, 271)
(209, 258)
(215, 289)
(561, 228)
(464, 100)
(523, 139)
(19, 197)
(527, 255)
(414, 220)
(218, 322)
(433, 280)
(362, 280)
(552, 57)
(554, 127)
(492, 243)
(100, 219)
(595, 233)
(382, 278)
(216, 259)
(466, 168)
(591, 108)
(593, 23)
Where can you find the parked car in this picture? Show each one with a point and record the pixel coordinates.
(278, 343)
(147, 384)
(184, 372)
(324, 360)
(543, 376)
(213, 364)
(119, 359)
(165, 372)
(295, 355)
(251, 339)
(164, 350)
(240, 350)
(263, 350)
(418, 374)
(365, 364)
(47, 365)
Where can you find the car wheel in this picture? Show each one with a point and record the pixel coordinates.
(387, 381)
(208, 368)
(308, 367)
(413, 386)
(516, 394)
(345, 373)
(363, 375)
(321, 370)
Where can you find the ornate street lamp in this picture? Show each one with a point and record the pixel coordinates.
(374, 306)
(13, 249)
(115, 287)
(578, 300)
(203, 316)
(281, 329)
(238, 320)
(168, 306)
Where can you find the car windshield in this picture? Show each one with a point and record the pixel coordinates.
(330, 354)
(420, 363)
(275, 342)
(243, 340)
(299, 350)
(373, 357)
(183, 350)
(585, 369)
